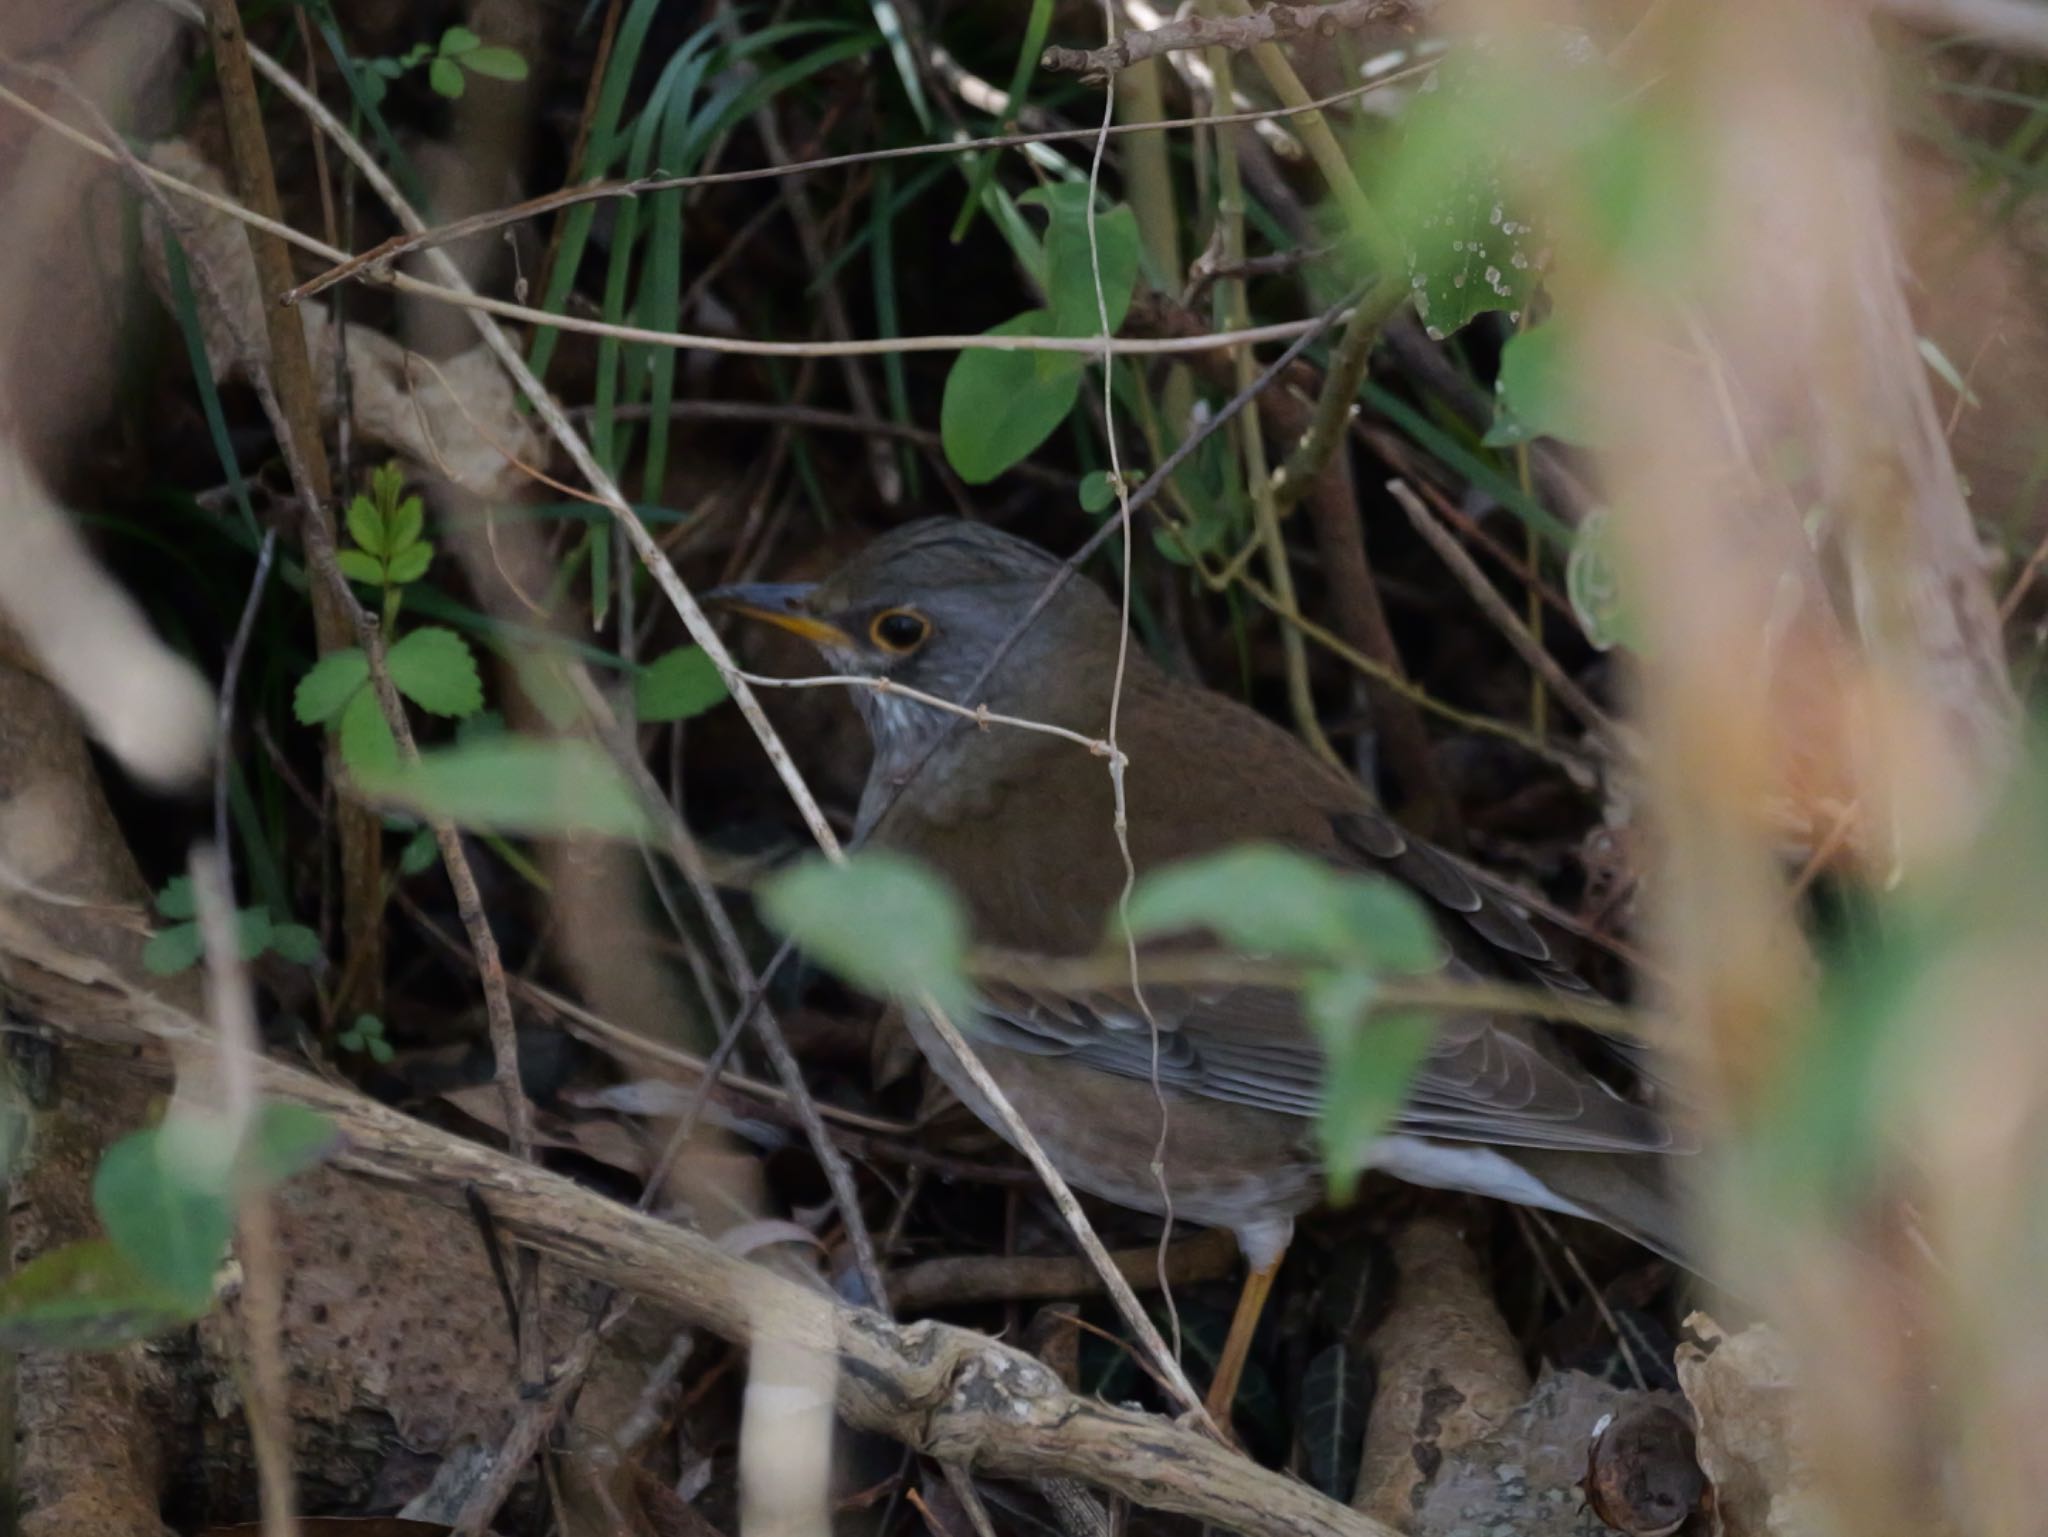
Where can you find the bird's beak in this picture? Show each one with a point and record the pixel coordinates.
(779, 604)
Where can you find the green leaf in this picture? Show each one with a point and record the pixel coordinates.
(1445, 191)
(329, 685)
(1537, 393)
(1592, 581)
(884, 923)
(366, 525)
(435, 669)
(1070, 264)
(410, 563)
(403, 531)
(497, 63)
(999, 406)
(1390, 928)
(86, 1296)
(367, 745)
(419, 852)
(379, 1049)
(682, 683)
(296, 943)
(1336, 1396)
(445, 76)
(171, 1226)
(358, 567)
(387, 480)
(253, 929)
(1369, 1064)
(1277, 902)
(457, 41)
(284, 1140)
(175, 900)
(516, 784)
(171, 950)
(1098, 491)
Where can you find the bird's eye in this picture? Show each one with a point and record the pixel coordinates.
(899, 630)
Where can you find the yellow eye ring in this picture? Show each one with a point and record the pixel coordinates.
(901, 630)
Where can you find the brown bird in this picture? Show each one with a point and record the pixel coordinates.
(1019, 823)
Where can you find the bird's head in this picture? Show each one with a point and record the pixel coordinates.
(927, 606)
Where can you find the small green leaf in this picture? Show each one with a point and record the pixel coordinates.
(1098, 491)
(171, 950)
(1369, 1063)
(86, 1296)
(367, 745)
(175, 900)
(1070, 263)
(1536, 393)
(675, 686)
(358, 567)
(884, 923)
(296, 943)
(284, 1140)
(410, 563)
(457, 41)
(1274, 901)
(999, 406)
(329, 685)
(387, 480)
(404, 529)
(171, 1227)
(419, 852)
(516, 784)
(497, 63)
(253, 929)
(435, 669)
(366, 525)
(445, 76)
(379, 1049)
(1592, 581)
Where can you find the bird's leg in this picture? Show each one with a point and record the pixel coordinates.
(1238, 1344)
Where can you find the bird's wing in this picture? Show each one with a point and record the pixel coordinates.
(1368, 839)
(1480, 1082)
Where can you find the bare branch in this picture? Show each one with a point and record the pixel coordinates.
(1236, 33)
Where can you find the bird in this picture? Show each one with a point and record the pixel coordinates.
(1019, 822)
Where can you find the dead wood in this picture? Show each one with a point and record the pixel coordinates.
(947, 1392)
(1449, 1372)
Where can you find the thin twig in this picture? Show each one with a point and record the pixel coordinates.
(1236, 33)
(1497, 608)
(230, 675)
(454, 293)
(980, 714)
(405, 244)
(1354, 599)
(290, 374)
(236, 1055)
(774, 413)
(2021, 25)
(1105, 977)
